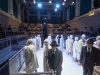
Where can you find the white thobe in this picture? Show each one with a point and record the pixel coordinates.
(29, 53)
(75, 49)
(34, 41)
(45, 57)
(70, 44)
(38, 43)
(56, 39)
(67, 45)
(49, 40)
(61, 43)
(80, 44)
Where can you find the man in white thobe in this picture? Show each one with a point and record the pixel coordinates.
(49, 39)
(56, 39)
(81, 42)
(29, 53)
(75, 49)
(38, 42)
(61, 43)
(34, 41)
(70, 45)
(67, 44)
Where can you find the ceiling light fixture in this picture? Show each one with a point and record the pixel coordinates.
(55, 10)
(63, 3)
(34, 2)
(72, 3)
(50, 2)
(39, 5)
(57, 5)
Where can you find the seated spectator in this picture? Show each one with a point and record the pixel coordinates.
(1, 28)
(56, 29)
(91, 31)
(75, 30)
(2, 31)
(21, 26)
(52, 29)
(60, 28)
(41, 29)
(9, 28)
(66, 26)
(85, 30)
(69, 29)
(35, 28)
(14, 29)
(29, 28)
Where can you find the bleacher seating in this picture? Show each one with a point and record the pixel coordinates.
(87, 20)
(5, 51)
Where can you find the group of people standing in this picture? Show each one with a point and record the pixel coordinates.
(85, 51)
(52, 56)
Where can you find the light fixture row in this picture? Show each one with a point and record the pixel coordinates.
(57, 5)
(50, 2)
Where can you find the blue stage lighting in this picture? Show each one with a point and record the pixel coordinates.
(39, 5)
(57, 5)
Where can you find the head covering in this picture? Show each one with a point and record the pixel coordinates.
(98, 42)
(39, 35)
(71, 36)
(98, 37)
(61, 35)
(44, 46)
(46, 40)
(54, 43)
(90, 41)
(83, 35)
(29, 41)
(76, 38)
(57, 35)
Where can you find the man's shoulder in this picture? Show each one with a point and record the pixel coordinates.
(96, 49)
(80, 40)
(25, 47)
(59, 50)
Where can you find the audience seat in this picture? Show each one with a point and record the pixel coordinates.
(5, 54)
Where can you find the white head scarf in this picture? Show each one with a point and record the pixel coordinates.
(61, 36)
(83, 35)
(98, 37)
(76, 38)
(71, 36)
(44, 46)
